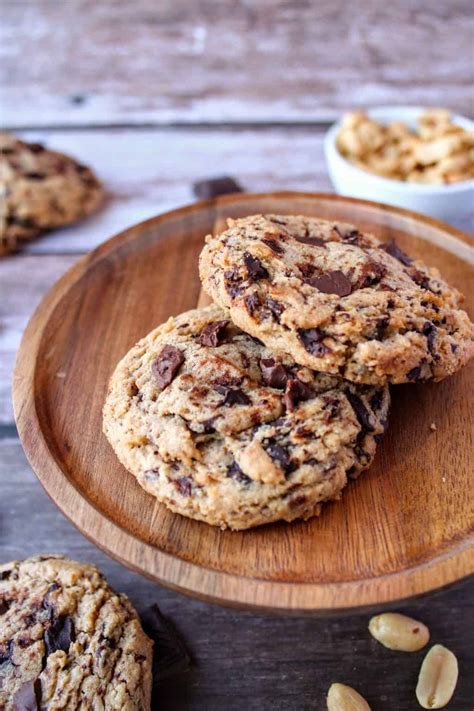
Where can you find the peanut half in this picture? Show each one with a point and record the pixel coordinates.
(399, 632)
(437, 679)
(345, 698)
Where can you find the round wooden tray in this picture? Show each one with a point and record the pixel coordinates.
(402, 529)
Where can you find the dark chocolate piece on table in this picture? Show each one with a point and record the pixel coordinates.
(213, 187)
(170, 656)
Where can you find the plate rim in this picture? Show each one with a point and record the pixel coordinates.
(169, 570)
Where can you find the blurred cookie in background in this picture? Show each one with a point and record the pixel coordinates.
(67, 640)
(41, 189)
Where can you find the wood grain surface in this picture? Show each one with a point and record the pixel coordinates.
(245, 660)
(402, 529)
(133, 68)
(83, 62)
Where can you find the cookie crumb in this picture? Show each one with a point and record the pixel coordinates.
(433, 427)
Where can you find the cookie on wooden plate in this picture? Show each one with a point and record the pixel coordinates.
(39, 190)
(337, 300)
(68, 641)
(219, 429)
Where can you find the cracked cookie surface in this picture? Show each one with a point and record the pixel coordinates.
(40, 189)
(337, 300)
(68, 641)
(217, 428)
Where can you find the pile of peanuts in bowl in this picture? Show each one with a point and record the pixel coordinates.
(437, 151)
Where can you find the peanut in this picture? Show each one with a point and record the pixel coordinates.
(345, 698)
(399, 632)
(437, 679)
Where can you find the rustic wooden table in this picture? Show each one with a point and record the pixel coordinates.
(155, 96)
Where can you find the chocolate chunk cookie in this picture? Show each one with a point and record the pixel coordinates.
(220, 429)
(67, 641)
(337, 300)
(39, 190)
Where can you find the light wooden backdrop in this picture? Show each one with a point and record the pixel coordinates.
(155, 95)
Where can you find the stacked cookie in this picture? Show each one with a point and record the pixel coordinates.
(261, 406)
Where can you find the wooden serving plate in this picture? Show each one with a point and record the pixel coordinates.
(403, 528)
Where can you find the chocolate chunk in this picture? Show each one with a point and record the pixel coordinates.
(351, 236)
(297, 501)
(252, 302)
(331, 409)
(454, 347)
(362, 413)
(213, 334)
(170, 656)
(315, 241)
(245, 360)
(23, 642)
(4, 605)
(303, 432)
(279, 454)
(414, 373)
(166, 365)
(306, 268)
(5, 574)
(381, 327)
(235, 472)
(31, 619)
(26, 223)
(394, 250)
(233, 396)
(376, 400)
(223, 185)
(371, 273)
(274, 374)
(420, 279)
(429, 330)
(28, 696)
(275, 307)
(36, 147)
(228, 380)
(233, 282)
(312, 340)
(59, 635)
(208, 425)
(334, 282)
(361, 454)
(6, 655)
(35, 176)
(255, 268)
(274, 245)
(184, 485)
(295, 392)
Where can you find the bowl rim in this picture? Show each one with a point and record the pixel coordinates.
(392, 113)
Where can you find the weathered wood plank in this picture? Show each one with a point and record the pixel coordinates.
(17, 303)
(84, 62)
(242, 660)
(147, 172)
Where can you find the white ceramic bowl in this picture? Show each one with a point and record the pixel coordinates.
(447, 202)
